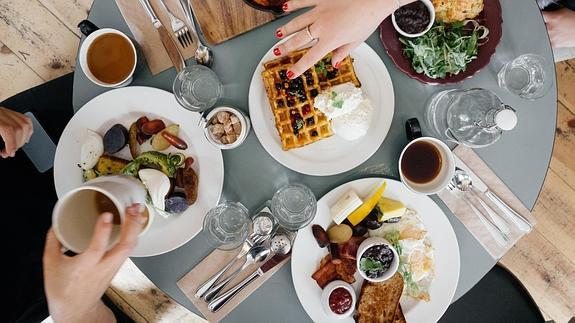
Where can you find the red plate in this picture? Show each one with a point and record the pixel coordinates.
(490, 17)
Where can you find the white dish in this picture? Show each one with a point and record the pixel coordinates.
(318, 158)
(125, 106)
(244, 121)
(306, 254)
(374, 241)
(329, 288)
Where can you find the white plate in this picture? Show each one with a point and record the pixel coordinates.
(307, 255)
(332, 155)
(125, 106)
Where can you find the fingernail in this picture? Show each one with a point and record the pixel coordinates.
(290, 74)
(279, 33)
(277, 51)
(107, 217)
(285, 6)
(337, 65)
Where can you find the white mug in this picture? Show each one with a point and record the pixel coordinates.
(76, 213)
(92, 33)
(445, 173)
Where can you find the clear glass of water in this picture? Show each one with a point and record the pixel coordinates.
(197, 88)
(525, 77)
(294, 206)
(227, 225)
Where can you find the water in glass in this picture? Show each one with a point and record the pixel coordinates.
(197, 88)
(525, 77)
(227, 225)
(294, 206)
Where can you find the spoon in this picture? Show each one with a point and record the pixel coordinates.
(255, 255)
(203, 55)
(498, 236)
(463, 182)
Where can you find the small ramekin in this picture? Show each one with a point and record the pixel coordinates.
(374, 241)
(327, 292)
(431, 10)
(244, 121)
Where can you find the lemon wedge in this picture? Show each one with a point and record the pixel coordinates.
(390, 209)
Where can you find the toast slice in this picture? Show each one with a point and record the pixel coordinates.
(399, 318)
(378, 302)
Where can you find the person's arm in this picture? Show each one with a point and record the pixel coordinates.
(561, 27)
(74, 285)
(15, 130)
(338, 25)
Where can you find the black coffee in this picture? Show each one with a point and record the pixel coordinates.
(421, 162)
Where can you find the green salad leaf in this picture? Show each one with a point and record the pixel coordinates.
(367, 264)
(445, 49)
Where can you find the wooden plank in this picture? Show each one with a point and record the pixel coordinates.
(546, 273)
(222, 20)
(563, 159)
(69, 12)
(15, 76)
(130, 287)
(566, 84)
(37, 37)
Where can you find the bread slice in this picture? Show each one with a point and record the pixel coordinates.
(378, 302)
(399, 318)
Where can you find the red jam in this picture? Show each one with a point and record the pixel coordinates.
(340, 300)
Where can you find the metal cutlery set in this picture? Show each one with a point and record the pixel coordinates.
(478, 198)
(185, 36)
(265, 247)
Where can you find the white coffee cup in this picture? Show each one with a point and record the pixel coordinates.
(439, 182)
(76, 213)
(83, 57)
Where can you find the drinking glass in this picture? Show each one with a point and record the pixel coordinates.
(197, 88)
(294, 206)
(525, 77)
(227, 225)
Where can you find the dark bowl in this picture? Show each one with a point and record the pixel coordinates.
(490, 17)
(275, 9)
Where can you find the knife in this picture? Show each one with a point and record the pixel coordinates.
(169, 44)
(221, 300)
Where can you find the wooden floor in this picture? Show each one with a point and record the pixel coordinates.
(38, 42)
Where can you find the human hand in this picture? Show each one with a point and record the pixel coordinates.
(15, 130)
(74, 285)
(560, 26)
(338, 25)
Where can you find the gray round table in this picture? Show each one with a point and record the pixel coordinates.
(520, 158)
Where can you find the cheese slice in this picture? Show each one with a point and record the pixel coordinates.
(344, 206)
(390, 209)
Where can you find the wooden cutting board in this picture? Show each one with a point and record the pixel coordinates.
(220, 20)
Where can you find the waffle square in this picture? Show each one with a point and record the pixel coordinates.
(292, 101)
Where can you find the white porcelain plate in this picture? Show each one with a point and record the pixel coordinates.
(333, 155)
(306, 254)
(125, 106)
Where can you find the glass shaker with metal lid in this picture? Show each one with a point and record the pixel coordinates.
(474, 117)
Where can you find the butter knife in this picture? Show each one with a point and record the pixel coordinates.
(221, 300)
(169, 44)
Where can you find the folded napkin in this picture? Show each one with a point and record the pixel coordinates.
(468, 160)
(209, 266)
(146, 35)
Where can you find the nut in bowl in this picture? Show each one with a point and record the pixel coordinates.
(226, 127)
(338, 299)
(377, 259)
(414, 19)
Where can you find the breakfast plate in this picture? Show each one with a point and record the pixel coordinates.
(124, 106)
(306, 254)
(333, 155)
(490, 17)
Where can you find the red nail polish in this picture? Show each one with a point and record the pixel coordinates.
(285, 6)
(290, 75)
(277, 51)
(279, 33)
(337, 65)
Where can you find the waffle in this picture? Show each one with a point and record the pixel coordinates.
(297, 121)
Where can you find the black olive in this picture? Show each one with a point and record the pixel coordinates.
(371, 220)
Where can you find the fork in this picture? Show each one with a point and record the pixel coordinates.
(179, 28)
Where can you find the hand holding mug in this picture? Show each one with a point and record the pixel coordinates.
(15, 130)
(74, 285)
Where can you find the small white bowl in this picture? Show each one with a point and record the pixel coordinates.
(431, 10)
(374, 241)
(244, 121)
(327, 292)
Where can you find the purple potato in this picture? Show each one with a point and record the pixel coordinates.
(115, 139)
(176, 204)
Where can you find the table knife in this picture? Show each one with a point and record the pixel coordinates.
(169, 44)
(221, 300)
